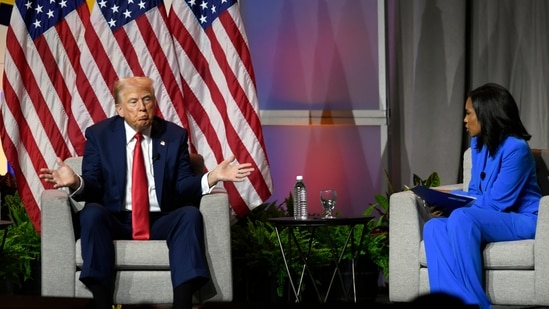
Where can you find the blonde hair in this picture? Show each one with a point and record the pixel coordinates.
(134, 81)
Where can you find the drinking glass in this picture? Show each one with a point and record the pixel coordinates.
(328, 199)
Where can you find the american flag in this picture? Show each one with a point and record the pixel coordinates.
(39, 82)
(220, 92)
(61, 62)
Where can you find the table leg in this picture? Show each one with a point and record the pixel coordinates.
(354, 259)
(304, 256)
(296, 292)
(338, 256)
(349, 242)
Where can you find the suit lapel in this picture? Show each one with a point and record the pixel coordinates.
(118, 141)
(160, 148)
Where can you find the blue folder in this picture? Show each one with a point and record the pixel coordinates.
(440, 200)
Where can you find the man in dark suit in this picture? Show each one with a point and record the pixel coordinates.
(172, 191)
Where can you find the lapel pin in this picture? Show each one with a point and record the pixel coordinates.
(163, 143)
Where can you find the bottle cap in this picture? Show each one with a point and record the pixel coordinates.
(298, 177)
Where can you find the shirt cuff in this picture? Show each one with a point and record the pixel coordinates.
(79, 189)
(206, 189)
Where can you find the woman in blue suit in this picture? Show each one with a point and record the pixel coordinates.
(503, 181)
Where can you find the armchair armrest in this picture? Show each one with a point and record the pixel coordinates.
(215, 211)
(58, 238)
(405, 235)
(540, 252)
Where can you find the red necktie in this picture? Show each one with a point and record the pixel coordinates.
(140, 194)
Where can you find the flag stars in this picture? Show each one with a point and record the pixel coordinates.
(114, 8)
(204, 5)
(41, 15)
(207, 11)
(119, 13)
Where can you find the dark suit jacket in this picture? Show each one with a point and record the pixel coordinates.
(104, 165)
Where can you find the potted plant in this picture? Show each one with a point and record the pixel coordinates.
(20, 260)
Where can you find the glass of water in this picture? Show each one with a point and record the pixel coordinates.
(328, 199)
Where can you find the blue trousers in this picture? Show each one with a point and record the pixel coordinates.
(182, 229)
(453, 248)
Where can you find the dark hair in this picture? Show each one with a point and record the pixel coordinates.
(498, 116)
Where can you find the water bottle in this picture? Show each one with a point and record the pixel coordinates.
(300, 199)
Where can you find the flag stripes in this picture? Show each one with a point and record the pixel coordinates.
(217, 70)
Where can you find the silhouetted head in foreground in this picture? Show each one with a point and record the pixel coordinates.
(434, 300)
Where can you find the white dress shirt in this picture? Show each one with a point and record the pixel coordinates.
(146, 145)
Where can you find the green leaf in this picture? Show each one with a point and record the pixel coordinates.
(22, 246)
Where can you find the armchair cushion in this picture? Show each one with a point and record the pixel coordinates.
(501, 255)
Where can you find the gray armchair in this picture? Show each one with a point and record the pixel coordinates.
(516, 272)
(143, 274)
